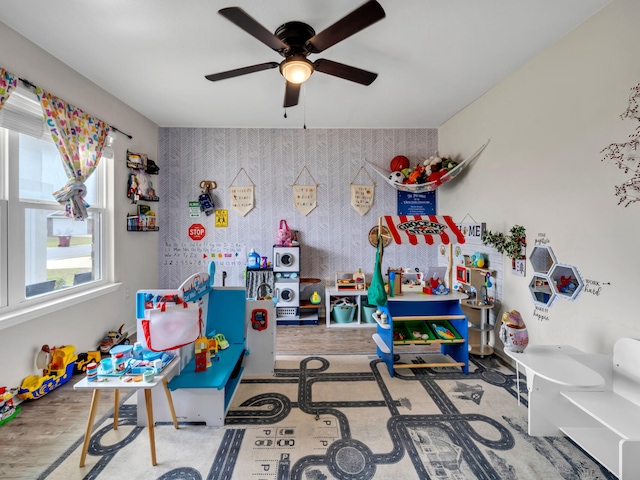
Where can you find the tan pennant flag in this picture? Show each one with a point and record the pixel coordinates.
(241, 198)
(304, 198)
(362, 198)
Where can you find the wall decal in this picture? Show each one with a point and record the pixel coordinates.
(625, 155)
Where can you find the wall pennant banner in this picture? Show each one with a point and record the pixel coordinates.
(362, 195)
(304, 196)
(241, 197)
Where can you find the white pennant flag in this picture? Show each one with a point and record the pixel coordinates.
(304, 198)
(241, 198)
(362, 198)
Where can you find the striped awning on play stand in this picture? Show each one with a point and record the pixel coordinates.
(423, 229)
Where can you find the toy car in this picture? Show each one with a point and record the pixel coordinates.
(112, 339)
(85, 358)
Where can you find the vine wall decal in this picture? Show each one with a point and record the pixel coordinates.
(625, 155)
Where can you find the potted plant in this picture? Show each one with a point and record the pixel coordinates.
(513, 244)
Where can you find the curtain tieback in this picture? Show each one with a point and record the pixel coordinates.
(73, 188)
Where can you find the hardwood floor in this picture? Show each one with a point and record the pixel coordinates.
(47, 427)
(310, 339)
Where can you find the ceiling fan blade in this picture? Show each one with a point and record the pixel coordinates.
(359, 19)
(347, 72)
(247, 23)
(291, 94)
(214, 77)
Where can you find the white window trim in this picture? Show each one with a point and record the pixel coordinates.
(36, 307)
(25, 313)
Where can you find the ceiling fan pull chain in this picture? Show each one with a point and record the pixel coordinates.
(285, 113)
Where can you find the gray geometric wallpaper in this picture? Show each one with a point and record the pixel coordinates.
(333, 236)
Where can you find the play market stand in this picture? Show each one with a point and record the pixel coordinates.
(418, 319)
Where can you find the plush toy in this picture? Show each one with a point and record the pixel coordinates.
(436, 167)
(416, 176)
(432, 164)
(477, 260)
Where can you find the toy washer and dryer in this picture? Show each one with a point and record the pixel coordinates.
(286, 269)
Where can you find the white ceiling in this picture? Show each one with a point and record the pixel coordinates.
(433, 57)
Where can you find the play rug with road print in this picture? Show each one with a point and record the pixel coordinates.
(343, 417)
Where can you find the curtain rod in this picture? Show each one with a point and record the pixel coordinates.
(28, 84)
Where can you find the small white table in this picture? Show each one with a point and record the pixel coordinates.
(552, 369)
(117, 384)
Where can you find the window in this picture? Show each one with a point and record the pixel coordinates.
(43, 253)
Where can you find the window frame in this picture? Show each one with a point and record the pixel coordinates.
(15, 307)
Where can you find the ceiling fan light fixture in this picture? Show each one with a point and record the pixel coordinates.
(296, 69)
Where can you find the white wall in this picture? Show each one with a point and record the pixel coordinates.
(84, 325)
(548, 123)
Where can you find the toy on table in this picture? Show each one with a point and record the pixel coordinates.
(85, 358)
(433, 287)
(202, 354)
(392, 280)
(56, 372)
(205, 349)
(113, 338)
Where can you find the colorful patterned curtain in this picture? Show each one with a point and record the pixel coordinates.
(80, 140)
(8, 81)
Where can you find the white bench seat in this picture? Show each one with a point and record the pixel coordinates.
(614, 412)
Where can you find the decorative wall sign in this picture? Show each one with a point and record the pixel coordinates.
(362, 195)
(222, 218)
(194, 210)
(304, 196)
(225, 254)
(241, 199)
(197, 232)
(472, 230)
(416, 203)
(242, 196)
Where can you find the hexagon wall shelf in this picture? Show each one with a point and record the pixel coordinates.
(552, 280)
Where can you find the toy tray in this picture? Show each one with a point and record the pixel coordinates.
(438, 327)
(400, 328)
(423, 329)
(139, 370)
(102, 373)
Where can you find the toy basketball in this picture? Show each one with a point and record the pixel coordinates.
(398, 163)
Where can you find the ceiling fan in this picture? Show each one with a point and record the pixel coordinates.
(295, 41)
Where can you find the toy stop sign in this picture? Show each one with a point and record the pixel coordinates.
(197, 232)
